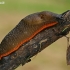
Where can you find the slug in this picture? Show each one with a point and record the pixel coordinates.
(27, 28)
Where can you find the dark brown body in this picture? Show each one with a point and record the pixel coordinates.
(24, 30)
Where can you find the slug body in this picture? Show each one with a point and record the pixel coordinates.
(26, 30)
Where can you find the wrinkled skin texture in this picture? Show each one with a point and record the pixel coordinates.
(24, 30)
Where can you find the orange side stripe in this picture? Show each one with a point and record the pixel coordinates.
(22, 42)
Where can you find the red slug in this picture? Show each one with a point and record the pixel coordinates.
(27, 28)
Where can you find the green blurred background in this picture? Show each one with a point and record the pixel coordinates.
(12, 11)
